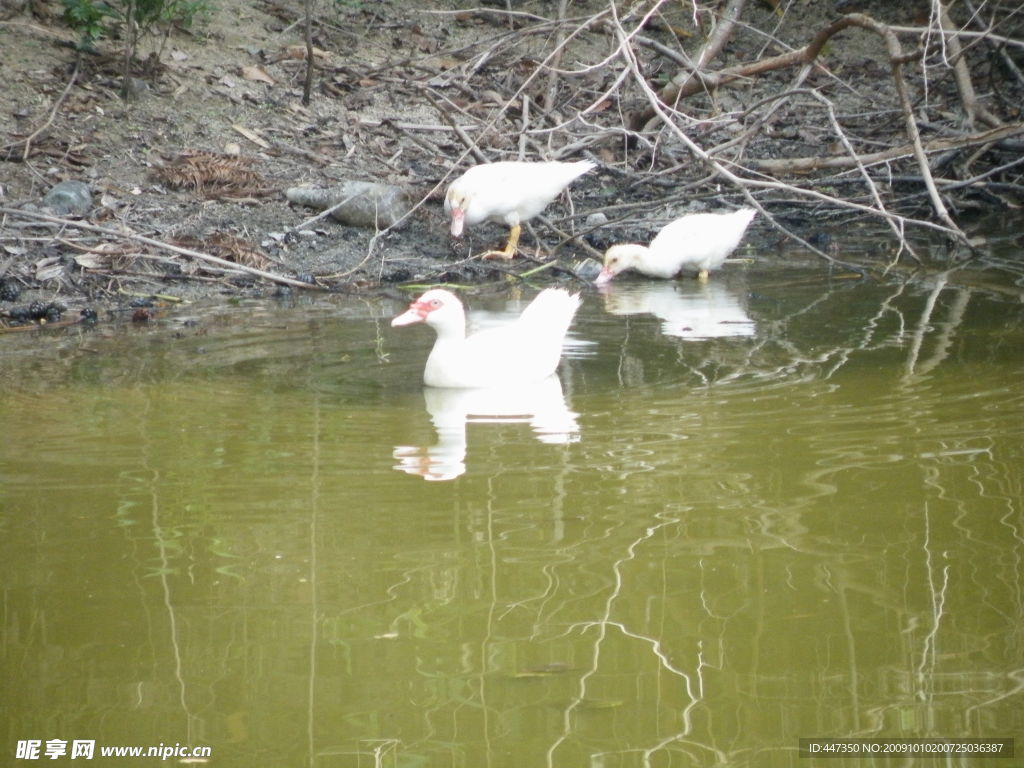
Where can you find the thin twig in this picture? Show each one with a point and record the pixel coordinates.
(113, 233)
(53, 114)
(804, 164)
(471, 145)
(896, 224)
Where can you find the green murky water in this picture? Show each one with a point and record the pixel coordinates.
(775, 508)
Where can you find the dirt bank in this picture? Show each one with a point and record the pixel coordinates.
(405, 95)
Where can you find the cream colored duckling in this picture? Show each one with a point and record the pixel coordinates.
(698, 242)
(508, 192)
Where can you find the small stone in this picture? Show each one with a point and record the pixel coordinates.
(9, 291)
(134, 88)
(596, 220)
(588, 269)
(69, 198)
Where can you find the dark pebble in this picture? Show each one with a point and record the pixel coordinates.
(9, 291)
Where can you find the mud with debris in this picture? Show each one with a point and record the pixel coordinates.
(188, 176)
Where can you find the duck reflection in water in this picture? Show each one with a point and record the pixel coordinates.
(540, 404)
(701, 311)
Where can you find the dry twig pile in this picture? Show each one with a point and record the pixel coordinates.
(895, 129)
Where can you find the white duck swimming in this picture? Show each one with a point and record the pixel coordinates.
(508, 192)
(698, 241)
(525, 350)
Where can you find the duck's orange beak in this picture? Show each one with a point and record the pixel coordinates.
(458, 221)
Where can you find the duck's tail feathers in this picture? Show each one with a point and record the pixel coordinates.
(746, 215)
(553, 310)
(579, 168)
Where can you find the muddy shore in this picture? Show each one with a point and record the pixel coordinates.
(228, 92)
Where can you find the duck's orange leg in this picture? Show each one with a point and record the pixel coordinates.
(510, 247)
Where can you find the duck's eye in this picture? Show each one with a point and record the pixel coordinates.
(435, 303)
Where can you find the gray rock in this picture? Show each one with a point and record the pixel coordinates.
(69, 198)
(359, 203)
(134, 88)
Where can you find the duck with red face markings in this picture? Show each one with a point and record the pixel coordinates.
(525, 350)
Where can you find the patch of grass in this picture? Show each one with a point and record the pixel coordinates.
(96, 19)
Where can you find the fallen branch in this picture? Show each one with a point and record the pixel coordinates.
(973, 109)
(896, 61)
(205, 257)
(695, 81)
(814, 163)
(692, 82)
(721, 33)
(720, 169)
(471, 145)
(897, 227)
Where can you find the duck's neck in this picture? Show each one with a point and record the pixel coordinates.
(449, 327)
(647, 261)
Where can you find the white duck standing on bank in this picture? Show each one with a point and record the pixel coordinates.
(698, 242)
(525, 350)
(508, 192)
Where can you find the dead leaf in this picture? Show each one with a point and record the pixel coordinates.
(257, 74)
(49, 268)
(91, 261)
(298, 52)
(252, 136)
